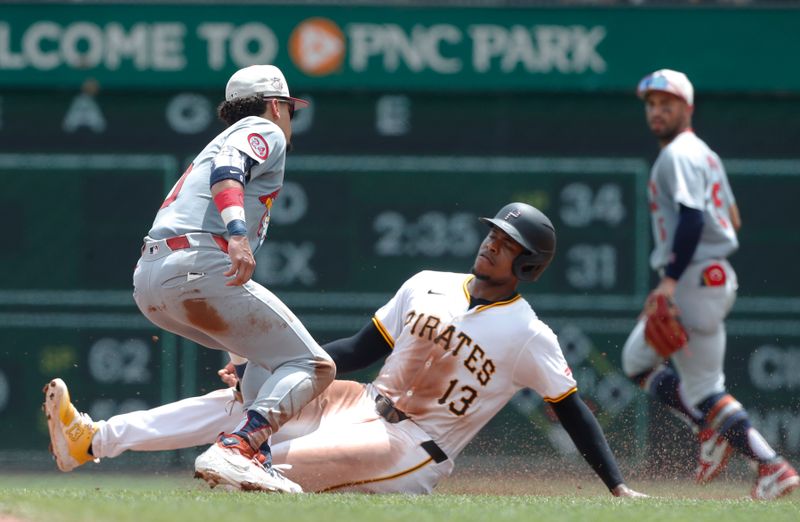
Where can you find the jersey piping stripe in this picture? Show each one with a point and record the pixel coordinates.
(562, 396)
(384, 333)
(484, 307)
(499, 303)
(466, 282)
(380, 479)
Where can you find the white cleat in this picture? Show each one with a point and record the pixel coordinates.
(715, 452)
(775, 480)
(232, 462)
(273, 480)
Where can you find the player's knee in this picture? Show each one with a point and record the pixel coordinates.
(722, 411)
(628, 366)
(632, 372)
(636, 355)
(633, 367)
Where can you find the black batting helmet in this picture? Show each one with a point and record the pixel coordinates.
(530, 228)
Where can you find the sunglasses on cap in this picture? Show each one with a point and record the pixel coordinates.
(653, 82)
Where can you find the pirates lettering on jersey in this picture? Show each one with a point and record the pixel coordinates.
(429, 325)
(475, 360)
(486, 369)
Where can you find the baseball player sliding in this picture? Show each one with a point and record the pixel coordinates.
(457, 347)
(193, 278)
(694, 221)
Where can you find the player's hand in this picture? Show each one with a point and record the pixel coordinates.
(666, 288)
(228, 375)
(625, 492)
(242, 261)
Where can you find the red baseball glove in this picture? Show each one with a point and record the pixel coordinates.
(663, 331)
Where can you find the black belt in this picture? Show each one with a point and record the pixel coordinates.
(386, 409)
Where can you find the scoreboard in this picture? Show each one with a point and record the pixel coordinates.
(364, 224)
(356, 217)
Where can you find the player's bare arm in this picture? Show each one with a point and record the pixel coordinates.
(228, 195)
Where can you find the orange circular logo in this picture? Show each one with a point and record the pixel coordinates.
(317, 46)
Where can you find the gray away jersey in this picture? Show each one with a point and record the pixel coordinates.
(687, 172)
(189, 206)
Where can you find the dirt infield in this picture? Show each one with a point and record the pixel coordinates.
(589, 486)
(557, 476)
(561, 477)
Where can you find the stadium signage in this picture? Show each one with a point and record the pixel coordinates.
(382, 48)
(155, 47)
(491, 48)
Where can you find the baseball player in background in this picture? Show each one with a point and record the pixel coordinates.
(457, 347)
(694, 222)
(194, 279)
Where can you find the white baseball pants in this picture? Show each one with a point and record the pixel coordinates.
(703, 310)
(336, 443)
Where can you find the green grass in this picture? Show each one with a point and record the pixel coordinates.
(139, 498)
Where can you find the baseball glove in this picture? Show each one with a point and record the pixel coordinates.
(663, 331)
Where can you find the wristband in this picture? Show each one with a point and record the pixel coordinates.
(230, 204)
(237, 227)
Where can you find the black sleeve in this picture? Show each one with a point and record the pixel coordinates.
(359, 351)
(687, 236)
(588, 437)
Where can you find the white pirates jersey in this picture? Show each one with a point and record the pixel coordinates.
(687, 172)
(189, 206)
(453, 368)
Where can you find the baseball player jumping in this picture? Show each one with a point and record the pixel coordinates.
(193, 279)
(694, 222)
(457, 347)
